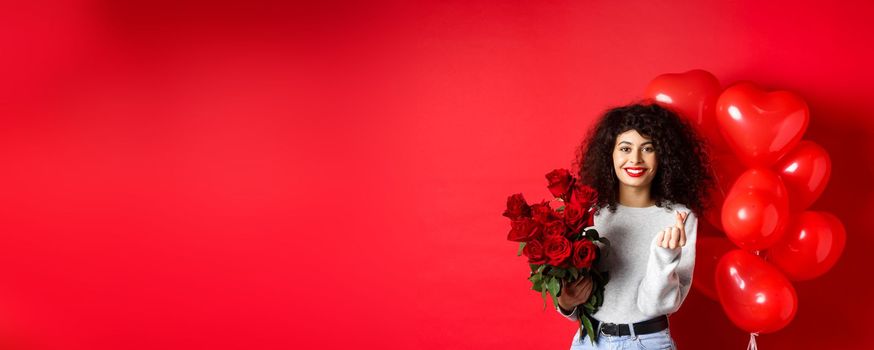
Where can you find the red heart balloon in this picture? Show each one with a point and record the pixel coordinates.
(708, 251)
(760, 126)
(812, 245)
(756, 209)
(754, 219)
(693, 96)
(805, 170)
(755, 295)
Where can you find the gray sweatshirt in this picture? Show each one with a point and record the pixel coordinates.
(645, 280)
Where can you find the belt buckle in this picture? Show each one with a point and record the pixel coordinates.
(609, 328)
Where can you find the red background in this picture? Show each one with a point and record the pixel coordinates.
(254, 174)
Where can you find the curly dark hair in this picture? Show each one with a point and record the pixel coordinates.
(683, 175)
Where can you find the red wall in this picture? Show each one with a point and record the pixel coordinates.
(258, 175)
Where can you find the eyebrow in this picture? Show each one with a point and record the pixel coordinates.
(648, 142)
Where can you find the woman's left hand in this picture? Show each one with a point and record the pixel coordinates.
(674, 236)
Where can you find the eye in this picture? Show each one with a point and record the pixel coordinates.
(649, 149)
(625, 149)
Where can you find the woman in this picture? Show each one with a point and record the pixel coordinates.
(650, 171)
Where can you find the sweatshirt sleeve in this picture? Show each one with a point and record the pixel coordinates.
(668, 274)
(571, 316)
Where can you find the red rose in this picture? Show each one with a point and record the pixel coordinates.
(524, 230)
(584, 195)
(534, 251)
(557, 249)
(542, 213)
(560, 182)
(554, 228)
(584, 254)
(517, 207)
(573, 215)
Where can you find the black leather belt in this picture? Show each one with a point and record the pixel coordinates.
(644, 327)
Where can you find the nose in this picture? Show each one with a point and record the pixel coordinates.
(635, 158)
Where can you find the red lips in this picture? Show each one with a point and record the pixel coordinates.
(642, 171)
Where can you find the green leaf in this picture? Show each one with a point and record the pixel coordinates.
(554, 287)
(537, 282)
(535, 278)
(599, 294)
(521, 246)
(589, 329)
(543, 296)
(554, 300)
(541, 268)
(533, 267)
(575, 273)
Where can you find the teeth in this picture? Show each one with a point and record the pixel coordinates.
(633, 171)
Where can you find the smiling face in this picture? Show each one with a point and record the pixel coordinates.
(634, 159)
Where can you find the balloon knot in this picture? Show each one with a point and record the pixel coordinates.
(752, 345)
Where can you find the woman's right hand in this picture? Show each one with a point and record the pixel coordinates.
(575, 293)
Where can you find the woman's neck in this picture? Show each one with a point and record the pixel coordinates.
(635, 197)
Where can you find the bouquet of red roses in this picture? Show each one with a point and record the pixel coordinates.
(560, 242)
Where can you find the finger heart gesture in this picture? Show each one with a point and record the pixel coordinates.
(674, 236)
